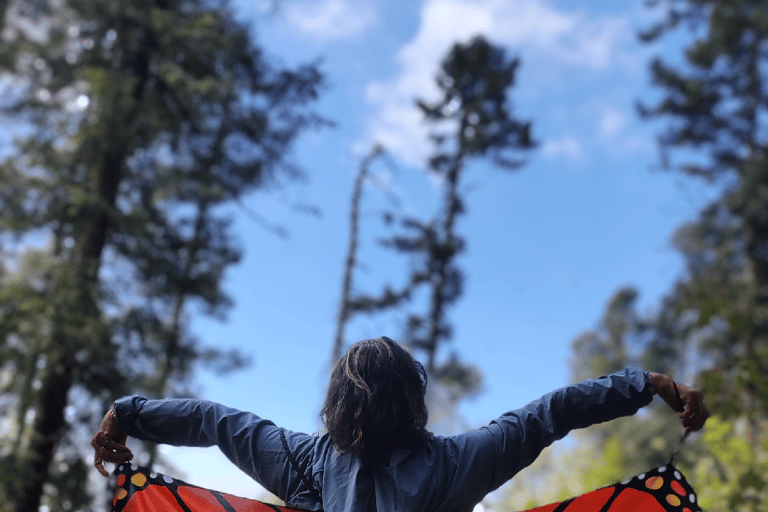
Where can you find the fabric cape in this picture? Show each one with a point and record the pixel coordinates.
(662, 489)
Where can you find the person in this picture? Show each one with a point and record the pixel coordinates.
(375, 452)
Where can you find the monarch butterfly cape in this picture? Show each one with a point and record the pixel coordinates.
(141, 490)
(663, 489)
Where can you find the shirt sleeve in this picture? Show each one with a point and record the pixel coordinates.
(490, 456)
(255, 445)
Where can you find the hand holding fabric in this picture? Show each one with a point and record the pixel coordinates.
(686, 402)
(109, 443)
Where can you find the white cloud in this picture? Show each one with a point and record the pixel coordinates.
(331, 19)
(615, 133)
(566, 146)
(552, 43)
(612, 122)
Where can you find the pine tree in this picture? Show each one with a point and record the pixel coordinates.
(714, 321)
(716, 105)
(472, 120)
(136, 120)
(710, 327)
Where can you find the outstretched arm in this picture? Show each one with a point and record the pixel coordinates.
(275, 457)
(492, 455)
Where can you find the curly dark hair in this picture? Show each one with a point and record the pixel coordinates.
(375, 401)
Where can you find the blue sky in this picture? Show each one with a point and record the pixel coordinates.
(546, 245)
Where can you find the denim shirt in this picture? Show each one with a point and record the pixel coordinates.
(448, 474)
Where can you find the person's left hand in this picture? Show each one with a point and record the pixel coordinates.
(109, 443)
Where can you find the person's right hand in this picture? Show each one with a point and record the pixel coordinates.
(687, 402)
(109, 443)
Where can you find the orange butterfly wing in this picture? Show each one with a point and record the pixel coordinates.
(153, 498)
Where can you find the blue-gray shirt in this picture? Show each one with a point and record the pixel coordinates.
(449, 474)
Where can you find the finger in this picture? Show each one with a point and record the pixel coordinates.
(698, 412)
(694, 425)
(686, 417)
(694, 421)
(115, 452)
(690, 415)
(115, 447)
(117, 457)
(123, 450)
(702, 409)
(701, 419)
(100, 466)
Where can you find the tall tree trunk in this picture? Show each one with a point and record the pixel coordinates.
(4, 5)
(351, 259)
(92, 223)
(439, 282)
(67, 338)
(47, 428)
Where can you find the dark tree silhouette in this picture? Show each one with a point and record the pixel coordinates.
(136, 120)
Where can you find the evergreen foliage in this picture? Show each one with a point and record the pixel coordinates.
(136, 121)
(472, 120)
(712, 326)
(717, 109)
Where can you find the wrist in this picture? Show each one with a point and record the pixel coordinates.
(659, 382)
(665, 387)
